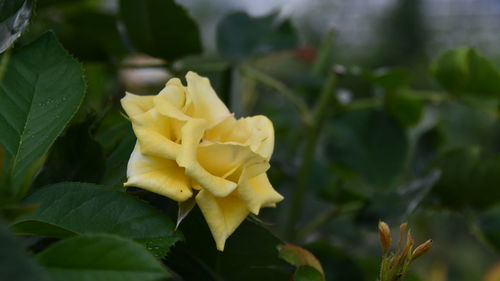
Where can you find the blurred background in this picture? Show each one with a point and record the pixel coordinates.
(409, 131)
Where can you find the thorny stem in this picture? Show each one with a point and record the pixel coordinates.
(308, 155)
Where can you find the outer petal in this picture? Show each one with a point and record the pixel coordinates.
(134, 104)
(206, 103)
(257, 192)
(156, 134)
(262, 137)
(223, 215)
(192, 133)
(158, 175)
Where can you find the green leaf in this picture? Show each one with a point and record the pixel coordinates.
(240, 36)
(65, 163)
(307, 273)
(463, 71)
(250, 254)
(14, 17)
(67, 209)
(14, 261)
(298, 256)
(405, 106)
(89, 34)
(41, 90)
(469, 178)
(392, 79)
(160, 28)
(100, 258)
(369, 144)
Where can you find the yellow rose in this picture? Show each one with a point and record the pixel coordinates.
(189, 144)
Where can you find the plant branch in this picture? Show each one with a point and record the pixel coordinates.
(308, 155)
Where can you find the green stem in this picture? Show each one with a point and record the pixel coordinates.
(271, 82)
(308, 155)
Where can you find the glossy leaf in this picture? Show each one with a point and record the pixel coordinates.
(14, 17)
(14, 261)
(160, 28)
(67, 209)
(463, 71)
(40, 91)
(240, 36)
(100, 258)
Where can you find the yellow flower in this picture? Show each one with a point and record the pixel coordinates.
(189, 144)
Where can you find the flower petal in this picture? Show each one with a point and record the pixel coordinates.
(223, 215)
(257, 192)
(158, 175)
(156, 134)
(172, 100)
(256, 132)
(223, 159)
(134, 104)
(206, 103)
(192, 133)
(262, 137)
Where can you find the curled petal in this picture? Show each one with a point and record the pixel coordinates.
(158, 175)
(134, 104)
(192, 133)
(206, 103)
(172, 101)
(262, 136)
(257, 132)
(224, 159)
(156, 134)
(257, 192)
(223, 215)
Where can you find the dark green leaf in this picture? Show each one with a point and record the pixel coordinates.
(369, 144)
(307, 273)
(463, 126)
(338, 265)
(100, 258)
(14, 261)
(469, 177)
(65, 163)
(78, 208)
(41, 90)
(489, 223)
(405, 106)
(392, 79)
(463, 71)
(250, 254)
(90, 35)
(160, 28)
(14, 17)
(240, 36)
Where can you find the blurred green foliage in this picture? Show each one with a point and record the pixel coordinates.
(354, 144)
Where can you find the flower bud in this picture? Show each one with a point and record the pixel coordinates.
(385, 236)
(421, 249)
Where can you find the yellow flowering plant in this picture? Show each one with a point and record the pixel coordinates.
(189, 145)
